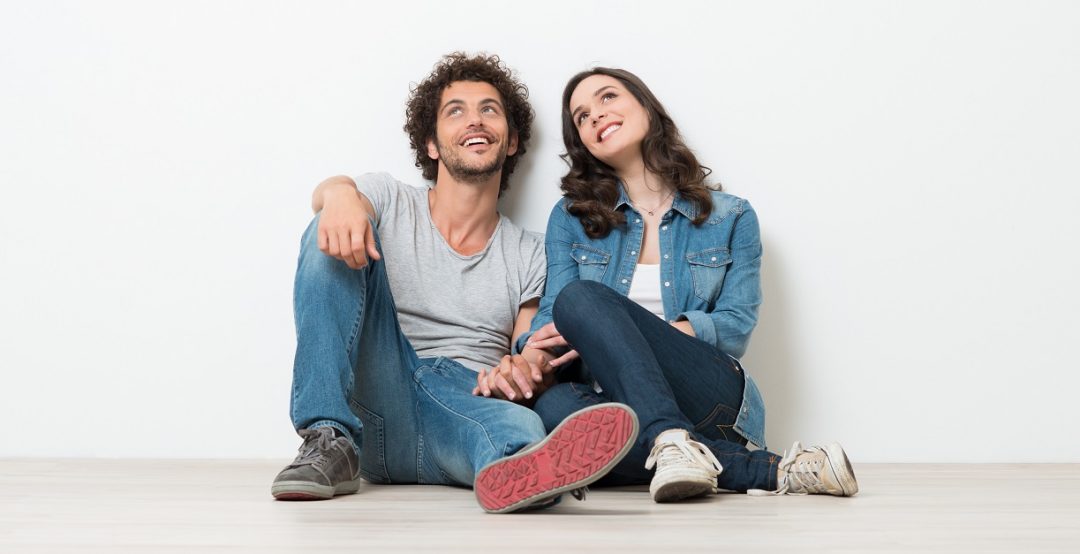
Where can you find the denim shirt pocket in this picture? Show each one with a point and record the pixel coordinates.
(592, 262)
(707, 268)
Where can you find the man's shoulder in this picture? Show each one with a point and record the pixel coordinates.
(528, 240)
(385, 180)
(389, 194)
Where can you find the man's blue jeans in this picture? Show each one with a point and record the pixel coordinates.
(670, 379)
(413, 420)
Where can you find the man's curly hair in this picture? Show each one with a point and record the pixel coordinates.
(423, 105)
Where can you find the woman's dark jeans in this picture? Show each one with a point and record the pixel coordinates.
(670, 379)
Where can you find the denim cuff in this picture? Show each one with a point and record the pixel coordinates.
(519, 344)
(345, 431)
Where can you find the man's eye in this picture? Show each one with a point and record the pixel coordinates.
(454, 111)
(489, 109)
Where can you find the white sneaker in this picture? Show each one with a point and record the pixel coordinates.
(684, 468)
(814, 470)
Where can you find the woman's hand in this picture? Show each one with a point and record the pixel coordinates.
(685, 327)
(547, 338)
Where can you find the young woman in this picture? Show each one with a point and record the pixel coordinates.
(653, 281)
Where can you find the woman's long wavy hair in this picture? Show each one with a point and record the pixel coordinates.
(592, 187)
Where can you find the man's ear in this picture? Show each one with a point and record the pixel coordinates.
(512, 148)
(433, 152)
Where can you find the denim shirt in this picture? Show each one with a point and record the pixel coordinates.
(710, 275)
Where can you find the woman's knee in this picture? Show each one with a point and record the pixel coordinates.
(581, 299)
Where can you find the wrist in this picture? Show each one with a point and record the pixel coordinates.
(536, 355)
(338, 186)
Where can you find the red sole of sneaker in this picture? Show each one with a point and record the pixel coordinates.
(579, 451)
(298, 496)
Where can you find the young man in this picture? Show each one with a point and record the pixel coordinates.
(403, 293)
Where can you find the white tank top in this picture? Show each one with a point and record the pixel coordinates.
(645, 288)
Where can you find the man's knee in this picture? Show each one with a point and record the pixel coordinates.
(526, 420)
(313, 263)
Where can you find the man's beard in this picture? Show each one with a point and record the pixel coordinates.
(465, 172)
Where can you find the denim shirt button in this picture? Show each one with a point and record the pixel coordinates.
(624, 281)
(664, 228)
(583, 258)
(638, 220)
(667, 283)
(665, 256)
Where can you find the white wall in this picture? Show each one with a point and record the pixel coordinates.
(914, 166)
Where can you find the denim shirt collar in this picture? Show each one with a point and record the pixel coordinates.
(680, 204)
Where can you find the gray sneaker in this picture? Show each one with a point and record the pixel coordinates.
(324, 468)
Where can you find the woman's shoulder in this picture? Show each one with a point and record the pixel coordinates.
(561, 210)
(726, 204)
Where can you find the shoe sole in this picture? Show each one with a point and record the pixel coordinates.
(841, 466)
(681, 486)
(306, 490)
(584, 447)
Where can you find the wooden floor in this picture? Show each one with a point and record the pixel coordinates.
(185, 506)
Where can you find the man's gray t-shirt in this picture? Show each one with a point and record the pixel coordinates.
(460, 307)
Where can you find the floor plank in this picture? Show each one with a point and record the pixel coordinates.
(225, 506)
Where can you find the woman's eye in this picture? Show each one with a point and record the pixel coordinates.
(581, 118)
(605, 98)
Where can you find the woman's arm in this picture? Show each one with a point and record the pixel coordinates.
(734, 314)
(561, 268)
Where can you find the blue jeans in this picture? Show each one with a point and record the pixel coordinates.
(670, 379)
(412, 420)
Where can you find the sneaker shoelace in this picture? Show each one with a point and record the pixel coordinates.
(804, 475)
(682, 453)
(317, 443)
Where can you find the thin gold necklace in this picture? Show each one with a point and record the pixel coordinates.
(653, 210)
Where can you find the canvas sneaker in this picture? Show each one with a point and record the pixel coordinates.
(324, 468)
(815, 470)
(685, 468)
(584, 447)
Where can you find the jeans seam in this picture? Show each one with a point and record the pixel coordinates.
(379, 431)
(353, 336)
(436, 400)
(420, 457)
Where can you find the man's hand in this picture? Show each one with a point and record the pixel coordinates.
(548, 338)
(344, 230)
(515, 379)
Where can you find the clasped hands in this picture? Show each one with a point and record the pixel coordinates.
(521, 378)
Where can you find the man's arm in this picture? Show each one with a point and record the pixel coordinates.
(521, 377)
(537, 357)
(344, 229)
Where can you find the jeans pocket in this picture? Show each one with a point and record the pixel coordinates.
(720, 425)
(372, 451)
